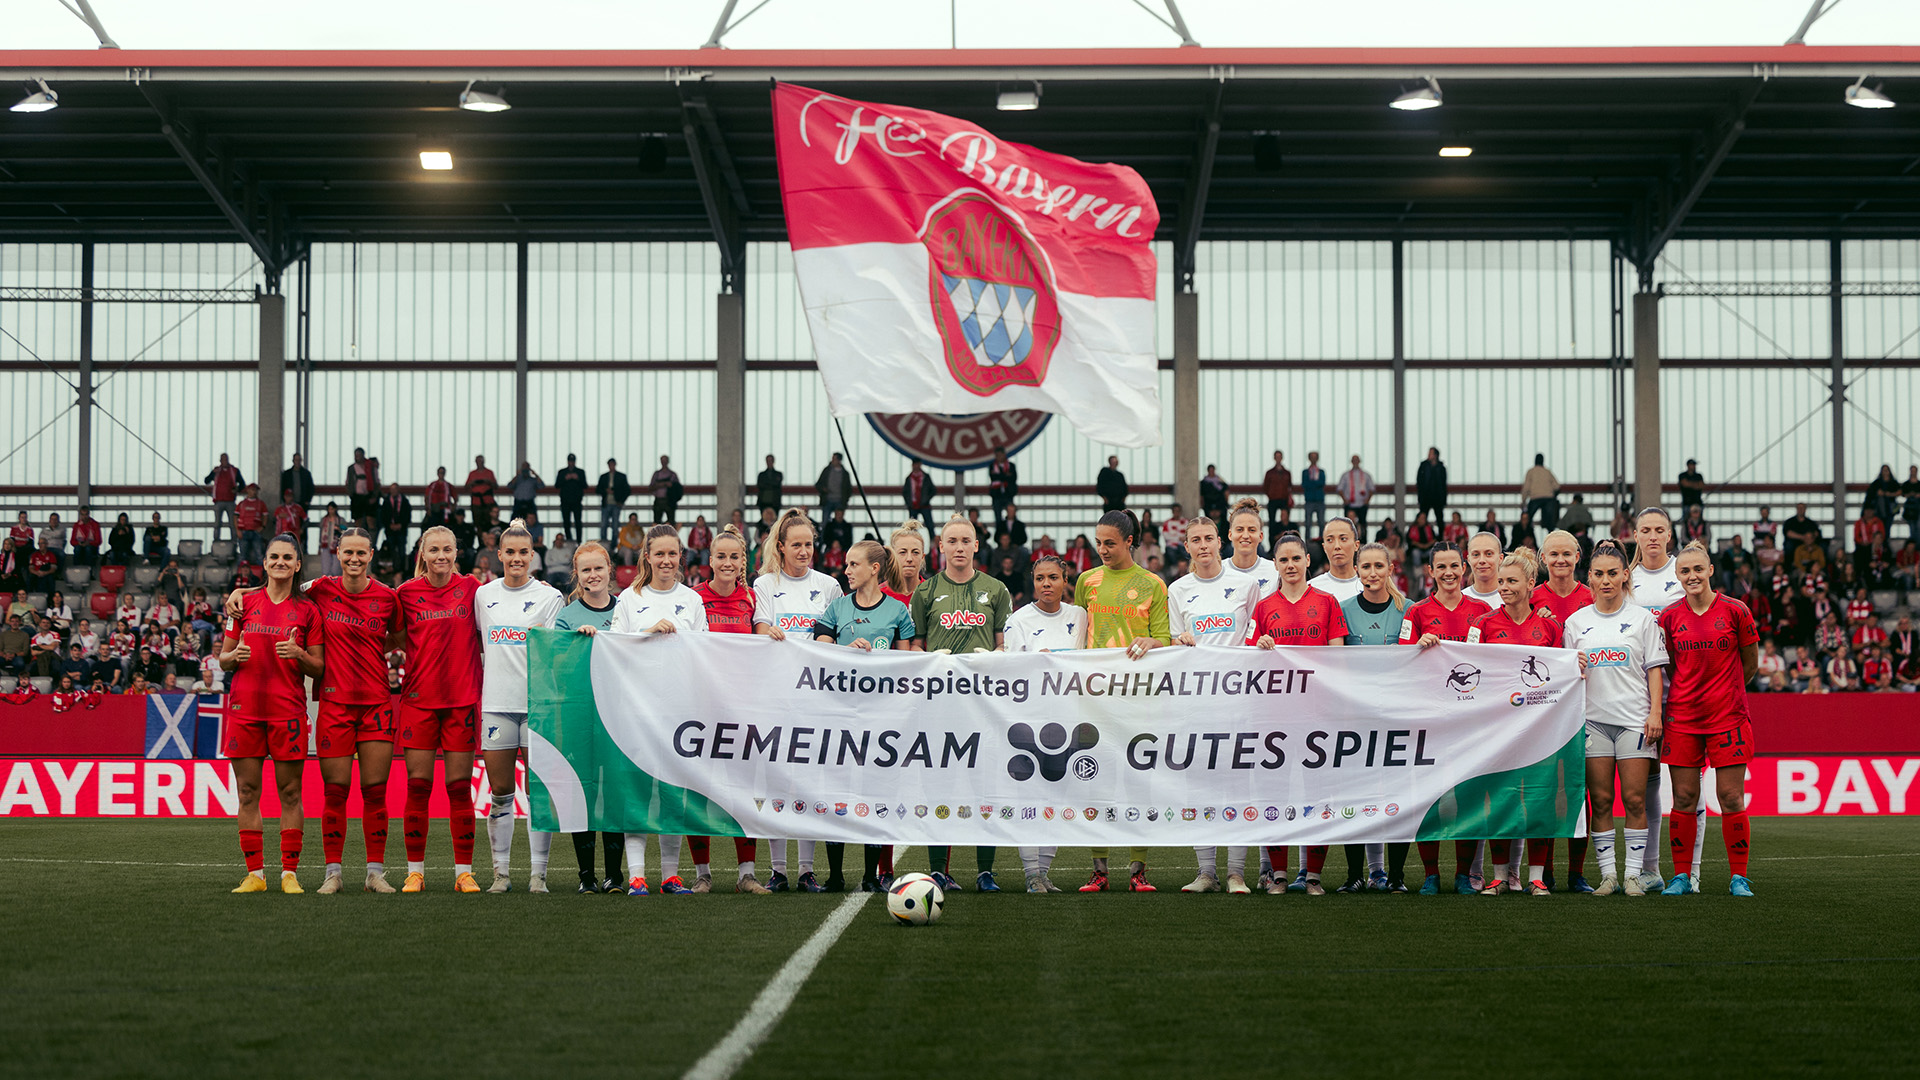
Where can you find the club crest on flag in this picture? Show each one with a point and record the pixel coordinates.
(992, 294)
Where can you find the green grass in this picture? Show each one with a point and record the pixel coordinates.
(154, 970)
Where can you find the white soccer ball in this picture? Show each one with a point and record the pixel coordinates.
(914, 900)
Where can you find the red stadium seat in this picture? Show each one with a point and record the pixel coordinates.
(623, 576)
(103, 603)
(113, 578)
(6, 603)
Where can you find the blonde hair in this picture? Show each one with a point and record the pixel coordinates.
(516, 527)
(959, 519)
(874, 551)
(1399, 601)
(909, 527)
(1695, 545)
(1526, 561)
(658, 532)
(770, 561)
(732, 532)
(420, 553)
(1191, 524)
(1638, 547)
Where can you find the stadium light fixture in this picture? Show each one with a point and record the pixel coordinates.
(41, 100)
(1859, 95)
(481, 101)
(1456, 151)
(1418, 98)
(436, 160)
(1021, 100)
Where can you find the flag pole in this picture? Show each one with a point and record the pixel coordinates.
(855, 469)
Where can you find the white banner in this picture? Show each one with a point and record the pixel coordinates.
(732, 734)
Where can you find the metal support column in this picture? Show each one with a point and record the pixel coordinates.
(1186, 402)
(1617, 287)
(1837, 348)
(272, 411)
(730, 407)
(303, 361)
(1646, 397)
(520, 355)
(1400, 387)
(84, 392)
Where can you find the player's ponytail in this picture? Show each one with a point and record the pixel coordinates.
(875, 552)
(516, 530)
(1610, 549)
(1289, 538)
(1244, 506)
(1124, 523)
(657, 532)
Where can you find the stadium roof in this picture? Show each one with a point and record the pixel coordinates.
(1634, 145)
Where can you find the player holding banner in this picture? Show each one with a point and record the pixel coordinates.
(1374, 616)
(1046, 625)
(788, 597)
(590, 609)
(1446, 615)
(503, 610)
(1516, 622)
(729, 604)
(1212, 605)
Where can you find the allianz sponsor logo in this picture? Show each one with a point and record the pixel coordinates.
(506, 635)
(1611, 656)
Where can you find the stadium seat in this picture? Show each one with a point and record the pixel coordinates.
(43, 683)
(189, 550)
(623, 576)
(103, 604)
(146, 577)
(79, 577)
(1885, 600)
(113, 578)
(222, 550)
(141, 600)
(215, 577)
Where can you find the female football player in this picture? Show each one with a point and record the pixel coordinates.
(1516, 622)
(1563, 595)
(1716, 650)
(1046, 625)
(1243, 532)
(1211, 605)
(1374, 615)
(1446, 615)
(590, 609)
(1339, 539)
(729, 602)
(439, 699)
(1654, 584)
(504, 608)
(1623, 656)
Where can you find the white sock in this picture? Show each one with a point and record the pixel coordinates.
(1310, 875)
(746, 870)
(333, 869)
(702, 870)
(500, 832)
(1030, 860)
(1536, 872)
(1656, 820)
(1237, 861)
(1479, 858)
(462, 868)
(1637, 850)
(669, 856)
(806, 856)
(636, 845)
(1376, 858)
(777, 856)
(1603, 853)
(376, 868)
(542, 845)
(1209, 861)
(416, 867)
(260, 873)
(1266, 865)
(1699, 835)
(1046, 858)
(1515, 853)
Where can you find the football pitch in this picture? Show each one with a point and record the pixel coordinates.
(127, 957)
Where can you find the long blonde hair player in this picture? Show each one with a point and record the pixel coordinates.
(504, 608)
(1048, 624)
(1563, 595)
(590, 608)
(908, 545)
(729, 602)
(657, 603)
(1211, 605)
(1654, 584)
(788, 596)
(1484, 552)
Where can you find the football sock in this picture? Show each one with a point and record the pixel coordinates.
(1536, 872)
(1502, 852)
(1397, 860)
(806, 856)
(886, 858)
(983, 858)
(636, 844)
(1266, 865)
(1636, 853)
(743, 850)
(252, 842)
(836, 859)
(290, 849)
(542, 845)
(1430, 857)
(937, 859)
(1656, 817)
(1135, 866)
(1100, 865)
(1465, 854)
(777, 856)
(1046, 858)
(1539, 855)
(1738, 833)
(1237, 861)
(1316, 860)
(615, 844)
(1030, 860)
(698, 847)
(1576, 856)
(745, 870)
(373, 821)
(669, 855)
(872, 868)
(333, 823)
(1680, 833)
(1277, 860)
(1356, 862)
(1603, 854)
(416, 823)
(583, 853)
(379, 868)
(1700, 835)
(1479, 858)
(500, 832)
(460, 820)
(1209, 861)
(1376, 857)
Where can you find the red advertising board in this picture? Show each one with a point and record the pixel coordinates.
(119, 787)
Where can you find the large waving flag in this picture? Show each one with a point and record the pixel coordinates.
(946, 271)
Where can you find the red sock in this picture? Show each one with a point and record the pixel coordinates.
(251, 843)
(1682, 826)
(1463, 851)
(1738, 833)
(698, 847)
(418, 792)
(1277, 857)
(1316, 858)
(1499, 851)
(333, 823)
(1576, 856)
(886, 858)
(290, 849)
(1430, 857)
(743, 849)
(1540, 852)
(460, 819)
(373, 820)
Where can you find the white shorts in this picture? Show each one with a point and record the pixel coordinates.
(1619, 742)
(503, 731)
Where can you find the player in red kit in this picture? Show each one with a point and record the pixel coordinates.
(439, 702)
(1296, 613)
(1518, 622)
(277, 642)
(1715, 649)
(729, 600)
(1563, 594)
(1447, 615)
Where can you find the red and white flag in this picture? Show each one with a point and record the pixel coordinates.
(946, 271)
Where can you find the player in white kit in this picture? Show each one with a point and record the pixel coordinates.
(504, 609)
(1654, 585)
(1048, 624)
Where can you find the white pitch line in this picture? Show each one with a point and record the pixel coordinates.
(764, 1014)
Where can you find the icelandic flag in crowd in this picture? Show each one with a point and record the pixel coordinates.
(944, 270)
(170, 725)
(211, 712)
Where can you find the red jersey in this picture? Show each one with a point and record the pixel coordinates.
(729, 614)
(289, 518)
(1496, 627)
(1314, 619)
(356, 627)
(265, 687)
(443, 643)
(249, 514)
(87, 533)
(1562, 606)
(439, 493)
(226, 483)
(1708, 693)
(1430, 616)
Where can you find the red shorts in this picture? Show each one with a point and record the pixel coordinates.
(343, 727)
(452, 731)
(281, 740)
(1721, 749)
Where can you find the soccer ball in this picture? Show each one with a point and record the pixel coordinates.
(915, 900)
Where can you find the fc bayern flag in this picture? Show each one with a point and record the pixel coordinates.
(944, 270)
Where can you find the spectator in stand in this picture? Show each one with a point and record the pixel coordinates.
(1771, 663)
(1421, 536)
(1016, 527)
(13, 572)
(1173, 531)
(173, 583)
(291, 518)
(1868, 634)
(1313, 493)
(916, 491)
(1766, 528)
(16, 645)
(1859, 608)
(837, 527)
(363, 487)
(1111, 486)
(1903, 642)
(330, 525)
(571, 483)
(1829, 635)
(1278, 485)
(1883, 494)
(833, 486)
(1356, 491)
(1578, 520)
(1693, 487)
(86, 540)
(395, 517)
(1492, 525)
(1799, 530)
(769, 489)
(1080, 555)
(1869, 528)
(481, 485)
(164, 613)
(153, 543)
(1842, 671)
(137, 685)
(60, 614)
(84, 637)
(225, 484)
(1003, 483)
(250, 521)
(633, 537)
(43, 569)
(1213, 497)
(614, 491)
(1540, 494)
(44, 651)
(1911, 511)
(439, 500)
(76, 666)
(559, 563)
(54, 539)
(1430, 484)
(1876, 671)
(1803, 670)
(299, 480)
(1523, 533)
(1733, 559)
(666, 490)
(524, 488)
(487, 558)
(1694, 527)
(119, 542)
(699, 541)
(200, 614)
(22, 533)
(1456, 531)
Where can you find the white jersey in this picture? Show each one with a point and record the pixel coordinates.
(1342, 589)
(1216, 611)
(1620, 648)
(792, 603)
(1263, 575)
(503, 616)
(1032, 630)
(1655, 589)
(1491, 599)
(640, 609)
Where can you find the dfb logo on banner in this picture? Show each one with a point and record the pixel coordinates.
(166, 735)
